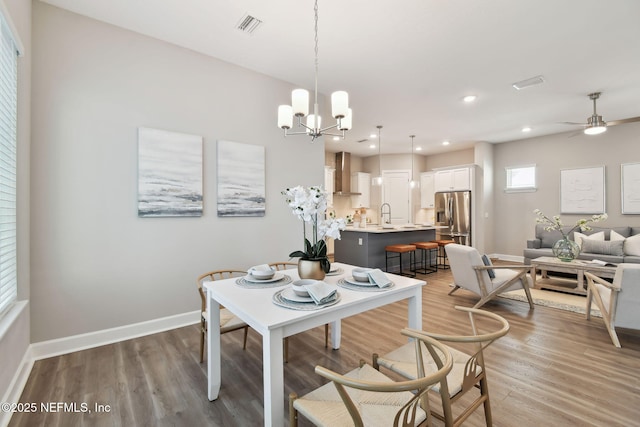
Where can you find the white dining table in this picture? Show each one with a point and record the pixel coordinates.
(274, 323)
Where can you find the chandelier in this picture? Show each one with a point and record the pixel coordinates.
(300, 107)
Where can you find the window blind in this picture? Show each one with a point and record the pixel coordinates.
(8, 157)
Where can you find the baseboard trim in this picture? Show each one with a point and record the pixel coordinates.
(56, 347)
(17, 385)
(510, 258)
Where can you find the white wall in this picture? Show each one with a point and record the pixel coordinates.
(514, 221)
(94, 263)
(14, 326)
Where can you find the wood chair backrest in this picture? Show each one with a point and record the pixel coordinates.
(213, 276)
(407, 414)
(283, 265)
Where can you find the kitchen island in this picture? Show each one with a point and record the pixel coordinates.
(365, 246)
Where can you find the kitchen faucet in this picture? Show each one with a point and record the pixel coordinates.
(383, 213)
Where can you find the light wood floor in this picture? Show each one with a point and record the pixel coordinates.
(554, 368)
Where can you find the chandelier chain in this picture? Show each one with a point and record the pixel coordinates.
(315, 10)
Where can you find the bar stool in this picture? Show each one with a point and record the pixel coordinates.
(443, 261)
(427, 250)
(399, 250)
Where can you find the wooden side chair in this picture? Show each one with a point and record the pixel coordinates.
(366, 397)
(619, 302)
(468, 370)
(228, 321)
(284, 266)
(470, 273)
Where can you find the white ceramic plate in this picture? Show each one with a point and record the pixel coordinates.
(289, 295)
(275, 278)
(353, 281)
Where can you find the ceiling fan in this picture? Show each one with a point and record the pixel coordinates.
(595, 125)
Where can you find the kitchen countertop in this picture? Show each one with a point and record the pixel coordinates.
(397, 228)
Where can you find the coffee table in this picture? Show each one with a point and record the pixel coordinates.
(577, 267)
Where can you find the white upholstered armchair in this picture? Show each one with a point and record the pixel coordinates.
(471, 273)
(619, 302)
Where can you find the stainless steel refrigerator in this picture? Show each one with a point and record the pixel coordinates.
(453, 210)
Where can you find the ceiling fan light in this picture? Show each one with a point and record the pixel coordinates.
(595, 130)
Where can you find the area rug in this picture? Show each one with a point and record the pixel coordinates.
(559, 300)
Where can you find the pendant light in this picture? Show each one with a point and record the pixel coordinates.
(377, 181)
(413, 183)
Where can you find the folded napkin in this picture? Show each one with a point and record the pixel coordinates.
(261, 267)
(321, 292)
(378, 277)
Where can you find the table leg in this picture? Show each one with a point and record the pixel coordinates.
(580, 285)
(273, 377)
(336, 334)
(533, 276)
(415, 310)
(214, 371)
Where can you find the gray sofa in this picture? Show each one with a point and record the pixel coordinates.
(544, 240)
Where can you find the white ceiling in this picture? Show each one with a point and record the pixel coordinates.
(407, 64)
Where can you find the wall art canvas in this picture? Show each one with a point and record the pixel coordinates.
(241, 179)
(582, 191)
(169, 173)
(630, 175)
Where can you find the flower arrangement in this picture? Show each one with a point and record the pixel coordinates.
(556, 224)
(310, 205)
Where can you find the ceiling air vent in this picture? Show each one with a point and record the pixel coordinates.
(248, 24)
(523, 84)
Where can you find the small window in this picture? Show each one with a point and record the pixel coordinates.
(521, 178)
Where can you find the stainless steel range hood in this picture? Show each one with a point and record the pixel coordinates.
(343, 175)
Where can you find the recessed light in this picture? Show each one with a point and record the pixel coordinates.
(526, 129)
(372, 146)
(336, 138)
(469, 98)
(445, 142)
(418, 148)
(373, 135)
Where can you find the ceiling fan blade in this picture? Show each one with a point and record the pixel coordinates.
(573, 123)
(575, 134)
(623, 121)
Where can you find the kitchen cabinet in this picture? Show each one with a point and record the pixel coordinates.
(329, 184)
(427, 190)
(361, 183)
(453, 179)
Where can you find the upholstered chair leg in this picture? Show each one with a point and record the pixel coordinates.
(375, 362)
(455, 288)
(293, 414)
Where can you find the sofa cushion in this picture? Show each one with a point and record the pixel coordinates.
(623, 231)
(548, 238)
(579, 237)
(634, 231)
(632, 245)
(604, 247)
(614, 236)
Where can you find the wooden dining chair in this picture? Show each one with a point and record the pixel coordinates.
(366, 397)
(228, 321)
(468, 370)
(284, 265)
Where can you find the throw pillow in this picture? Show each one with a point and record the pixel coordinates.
(616, 236)
(579, 237)
(486, 261)
(604, 247)
(632, 245)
